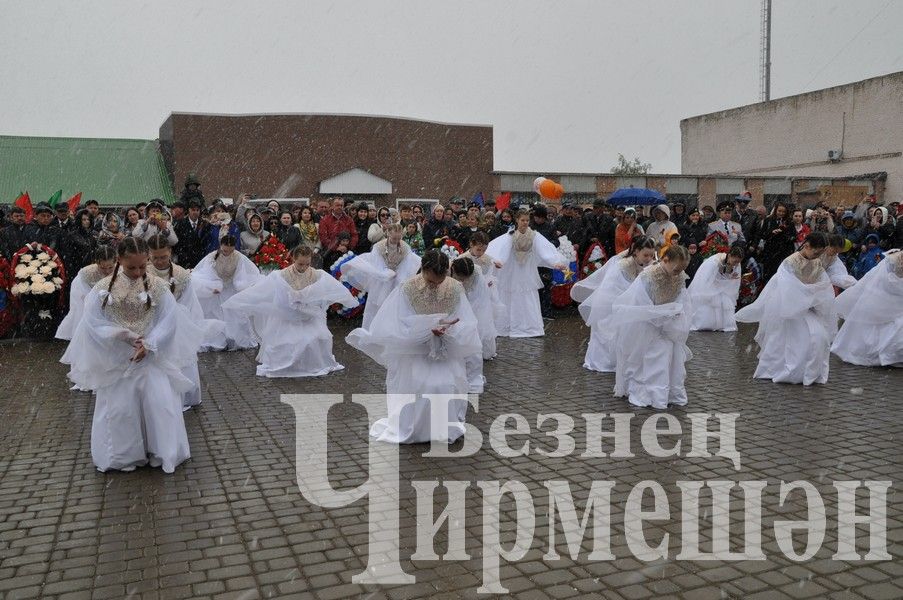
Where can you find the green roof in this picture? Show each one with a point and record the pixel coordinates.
(111, 171)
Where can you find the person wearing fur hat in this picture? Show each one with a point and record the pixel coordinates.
(158, 222)
(662, 228)
(725, 225)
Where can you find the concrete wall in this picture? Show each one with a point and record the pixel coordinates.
(261, 154)
(792, 136)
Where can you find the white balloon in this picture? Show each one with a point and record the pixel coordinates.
(537, 182)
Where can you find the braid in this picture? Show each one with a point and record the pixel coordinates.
(147, 303)
(172, 284)
(216, 256)
(110, 287)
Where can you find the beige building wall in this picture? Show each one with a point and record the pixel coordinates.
(792, 136)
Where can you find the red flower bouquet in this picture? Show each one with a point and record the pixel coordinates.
(271, 255)
(715, 243)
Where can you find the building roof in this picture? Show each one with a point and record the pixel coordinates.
(111, 171)
(843, 88)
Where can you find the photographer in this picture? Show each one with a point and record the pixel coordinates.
(157, 222)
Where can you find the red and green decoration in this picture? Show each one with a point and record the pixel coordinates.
(271, 256)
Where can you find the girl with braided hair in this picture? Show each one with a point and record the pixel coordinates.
(179, 281)
(87, 277)
(287, 310)
(219, 276)
(476, 289)
(423, 334)
(131, 348)
(653, 319)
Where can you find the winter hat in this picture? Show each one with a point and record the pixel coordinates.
(664, 208)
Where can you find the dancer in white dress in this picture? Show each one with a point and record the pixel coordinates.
(219, 276)
(834, 267)
(653, 318)
(130, 348)
(596, 309)
(87, 277)
(288, 315)
(179, 281)
(463, 270)
(388, 264)
(489, 267)
(423, 334)
(796, 316)
(872, 331)
(522, 251)
(714, 291)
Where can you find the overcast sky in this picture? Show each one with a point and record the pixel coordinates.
(566, 84)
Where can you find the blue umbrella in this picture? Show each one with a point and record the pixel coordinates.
(637, 197)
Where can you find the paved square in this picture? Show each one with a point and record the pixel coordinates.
(231, 523)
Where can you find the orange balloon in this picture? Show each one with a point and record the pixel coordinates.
(550, 190)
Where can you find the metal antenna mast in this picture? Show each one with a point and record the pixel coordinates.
(765, 58)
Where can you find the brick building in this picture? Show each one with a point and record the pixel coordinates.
(378, 159)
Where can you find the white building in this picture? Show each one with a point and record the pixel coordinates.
(841, 131)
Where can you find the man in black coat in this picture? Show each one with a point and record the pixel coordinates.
(600, 227)
(541, 225)
(191, 232)
(436, 227)
(42, 229)
(14, 235)
(571, 225)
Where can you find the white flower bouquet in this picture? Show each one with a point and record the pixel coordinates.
(37, 270)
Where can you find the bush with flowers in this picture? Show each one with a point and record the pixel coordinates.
(271, 255)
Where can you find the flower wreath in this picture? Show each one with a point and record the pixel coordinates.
(715, 243)
(271, 255)
(37, 270)
(451, 249)
(361, 296)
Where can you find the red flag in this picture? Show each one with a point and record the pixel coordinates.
(73, 202)
(503, 201)
(24, 202)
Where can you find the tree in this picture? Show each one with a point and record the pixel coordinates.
(630, 167)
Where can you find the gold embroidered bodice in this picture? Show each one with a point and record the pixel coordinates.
(127, 302)
(428, 300)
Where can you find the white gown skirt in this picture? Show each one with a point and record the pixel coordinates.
(296, 349)
(522, 316)
(870, 345)
(795, 351)
(138, 421)
(652, 373)
(238, 334)
(192, 397)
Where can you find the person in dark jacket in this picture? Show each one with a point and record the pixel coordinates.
(778, 237)
(192, 233)
(42, 229)
(539, 222)
(600, 227)
(748, 220)
(63, 220)
(14, 235)
(570, 224)
(694, 230)
(192, 191)
(288, 234)
(362, 223)
(79, 244)
(436, 228)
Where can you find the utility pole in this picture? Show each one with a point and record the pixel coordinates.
(765, 57)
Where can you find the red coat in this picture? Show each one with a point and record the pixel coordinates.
(330, 227)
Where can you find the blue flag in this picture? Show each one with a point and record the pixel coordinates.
(477, 199)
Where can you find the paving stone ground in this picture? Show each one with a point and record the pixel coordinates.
(231, 522)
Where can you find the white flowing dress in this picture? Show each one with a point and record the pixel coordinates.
(477, 291)
(372, 273)
(81, 286)
(138, 407)
(713, 294)
(486, 265)
(797, 322)
(838, 274)
(584, 288)
(287, 310)
(419, 362)
(518, 282)
(872, 332)
(180, 285)
(651, 341)
(216, 280)
(596, 310)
